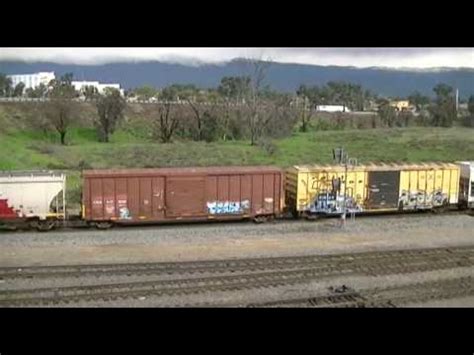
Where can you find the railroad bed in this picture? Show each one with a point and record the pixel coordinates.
(192, 278)
(384, 297)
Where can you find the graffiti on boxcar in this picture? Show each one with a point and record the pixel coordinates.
(7, 211)
(228, 207)
(419, 198)
(110, 207)
(124, 213)
(333, 203)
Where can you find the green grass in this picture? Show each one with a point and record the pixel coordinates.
(35, 150)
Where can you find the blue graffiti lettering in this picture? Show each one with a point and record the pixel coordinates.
(227, 207)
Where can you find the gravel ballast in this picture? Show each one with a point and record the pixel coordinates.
(233, 240)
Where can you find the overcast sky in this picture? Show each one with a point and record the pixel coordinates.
(358, 57)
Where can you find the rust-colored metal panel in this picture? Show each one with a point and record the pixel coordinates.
(133, 190)
(246, 189)
(257, 194)
(211, 188)
(268, 193)
(223, 188)
(277, 188)
(185, 197)
(145, 211)
(187, 193)
(86, 200)
(158, 199)
(234, 188)
(97, 198)
(121, 198)
(108, 186)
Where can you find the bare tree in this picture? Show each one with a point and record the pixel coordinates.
(305, 105)
(256, 118)
(197, 108)
(165, 123)
(59, 114)
(232, 90)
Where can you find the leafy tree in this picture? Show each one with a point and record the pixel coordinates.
(110, 108)
(61, 108)
(444, 108)
(145, 92)
(469, 120)
(309, 97)
(5, 85)
(62, 88)
(405, 118)
(350, 95)
(470, 105)
(234, 87)
(90, 93)
(18, 91)
(418, 100)
(387, 114)
(211, 128)
(38, 92)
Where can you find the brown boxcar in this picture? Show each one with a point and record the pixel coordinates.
(166, 194)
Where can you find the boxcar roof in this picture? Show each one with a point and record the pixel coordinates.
(377, 166)
(215, 170)
(30, 173)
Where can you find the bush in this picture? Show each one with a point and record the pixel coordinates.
(42, 148)
(210, 131)
(83, 165)
(468, 121)
(268, 146)
(54, 166)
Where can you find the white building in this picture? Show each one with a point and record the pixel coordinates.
(32, 81)
(79, 85)
(332, 108)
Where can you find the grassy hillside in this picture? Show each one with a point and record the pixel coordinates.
(22, 148)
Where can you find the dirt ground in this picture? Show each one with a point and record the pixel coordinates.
(235, 240)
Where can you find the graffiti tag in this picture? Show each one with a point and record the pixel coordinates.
(227, 207)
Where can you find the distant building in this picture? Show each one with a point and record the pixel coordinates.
(332, 108)
(80, 85)
(32, 81)
(402, 105)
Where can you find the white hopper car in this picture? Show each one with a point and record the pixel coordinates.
(35, 197)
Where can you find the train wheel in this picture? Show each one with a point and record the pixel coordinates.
(400, 206)
(312, 217)
(44, 226)
(442, 209)
(260, 219)
(103, 225)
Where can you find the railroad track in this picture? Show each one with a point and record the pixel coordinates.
(387, 297)
(285, 273)
(236, 265)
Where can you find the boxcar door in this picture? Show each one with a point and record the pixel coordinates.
(185, 196)
(383, 189)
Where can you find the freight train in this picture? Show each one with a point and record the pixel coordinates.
(135, 196)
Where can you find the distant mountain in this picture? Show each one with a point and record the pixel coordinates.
(283, 77)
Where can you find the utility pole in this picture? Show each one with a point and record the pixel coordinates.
(457, 100)
(341, 157)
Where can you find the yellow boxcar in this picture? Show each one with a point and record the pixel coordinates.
(319, 189)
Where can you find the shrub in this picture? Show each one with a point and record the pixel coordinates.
(268, 146)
